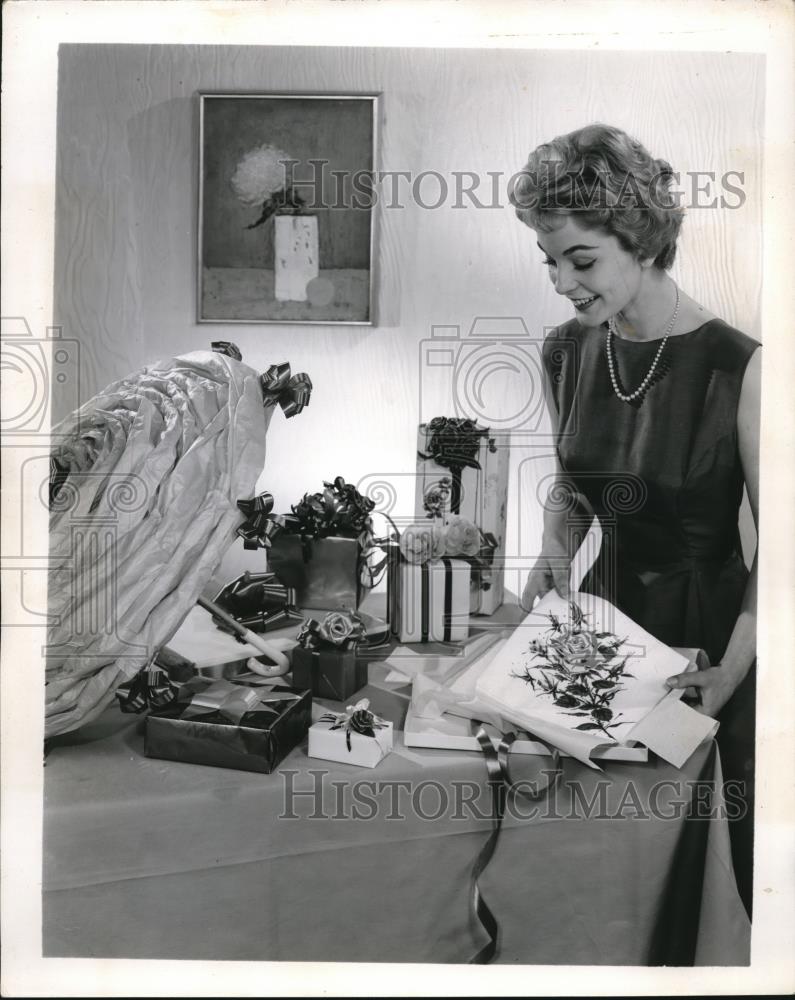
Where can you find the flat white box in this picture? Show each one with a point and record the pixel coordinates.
(451, 732)
(366, 751)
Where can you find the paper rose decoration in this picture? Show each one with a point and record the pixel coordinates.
(421, 542)
(461, 537)
(432, 539)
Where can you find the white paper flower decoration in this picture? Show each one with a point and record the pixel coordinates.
(260, 174)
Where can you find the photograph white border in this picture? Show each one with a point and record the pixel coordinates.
(33, 31)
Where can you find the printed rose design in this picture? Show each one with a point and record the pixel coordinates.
(580, 671)
(461, 537)
(575, 648)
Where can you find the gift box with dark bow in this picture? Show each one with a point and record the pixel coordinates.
(224, 724)
(326, 658)
(324, 550)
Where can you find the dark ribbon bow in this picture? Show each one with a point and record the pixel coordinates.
(261, 523)
(227, 347)
(355, 719)
(454, 442)
(258, 601)
(340, 509)
(291, 392)
(150, 688)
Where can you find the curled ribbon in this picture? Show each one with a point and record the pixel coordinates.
(454, 442)
(291, 392)
(150, 688)
(338, 510)
(228, 348)
(355, 719)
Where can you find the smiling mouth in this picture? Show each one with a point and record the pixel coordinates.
(582, 304)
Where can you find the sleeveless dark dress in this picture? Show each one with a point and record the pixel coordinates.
(663, 476)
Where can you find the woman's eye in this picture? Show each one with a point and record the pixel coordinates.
(584, 267)
(549, 262)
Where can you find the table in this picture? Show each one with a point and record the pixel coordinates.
(146, 858)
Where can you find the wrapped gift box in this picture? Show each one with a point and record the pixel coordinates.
(210, 724)
(365, 751)
(329, 673)
(481, 495)
(324, 572)
(434, 600)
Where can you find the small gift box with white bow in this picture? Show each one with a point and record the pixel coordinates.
(355, 736)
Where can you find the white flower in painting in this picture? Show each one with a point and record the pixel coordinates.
(260, 174)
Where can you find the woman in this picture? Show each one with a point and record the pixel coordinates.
(655, 405)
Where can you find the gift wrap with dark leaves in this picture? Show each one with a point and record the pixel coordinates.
(259, 742)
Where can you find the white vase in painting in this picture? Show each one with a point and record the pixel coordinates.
(295, 256)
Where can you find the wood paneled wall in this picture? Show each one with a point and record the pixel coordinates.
(125, 267)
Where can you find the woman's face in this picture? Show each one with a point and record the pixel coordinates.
(591, 269)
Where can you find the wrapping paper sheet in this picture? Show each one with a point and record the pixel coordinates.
(156, 464)
(502, 688)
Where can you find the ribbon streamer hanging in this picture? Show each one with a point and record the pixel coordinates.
(501, 786)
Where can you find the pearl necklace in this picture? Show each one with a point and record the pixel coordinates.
(611, 363)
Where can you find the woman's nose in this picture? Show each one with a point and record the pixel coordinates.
(564, 280)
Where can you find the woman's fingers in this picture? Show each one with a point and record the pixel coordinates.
(561, 578)
(537, 585)
(693, 679)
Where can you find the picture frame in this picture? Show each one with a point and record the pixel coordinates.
(286, 215)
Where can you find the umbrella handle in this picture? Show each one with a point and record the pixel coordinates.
(281, 664)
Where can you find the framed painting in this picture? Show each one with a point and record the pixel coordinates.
(286, 208)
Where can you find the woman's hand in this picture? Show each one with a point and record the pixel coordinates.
(715, 686)
(548, 572)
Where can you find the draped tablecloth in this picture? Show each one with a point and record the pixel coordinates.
(147, 858)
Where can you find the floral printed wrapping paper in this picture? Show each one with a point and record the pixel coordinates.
(580, 674)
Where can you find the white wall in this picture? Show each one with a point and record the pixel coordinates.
(127, 210)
